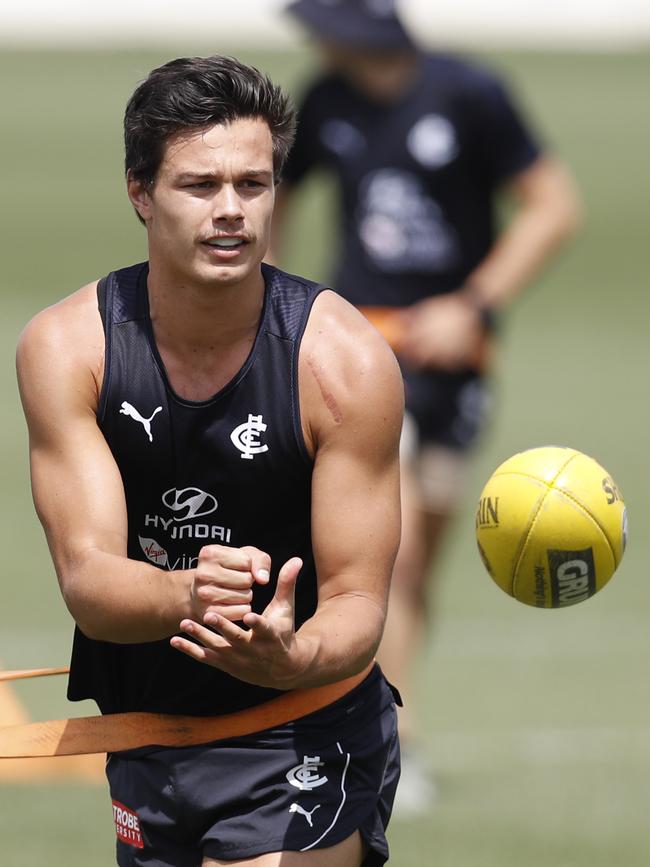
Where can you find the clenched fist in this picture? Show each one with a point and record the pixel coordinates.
(224, 578)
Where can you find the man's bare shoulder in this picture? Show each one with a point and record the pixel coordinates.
(63, 340)
(71, 325)
(347, 368)
(341, 337)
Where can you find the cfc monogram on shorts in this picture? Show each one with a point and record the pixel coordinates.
(306, 775)
(127, 826)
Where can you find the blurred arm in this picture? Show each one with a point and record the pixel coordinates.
(448, 331)
(547, 214)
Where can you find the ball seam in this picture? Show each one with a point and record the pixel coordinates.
(524, 542)
(551, 487)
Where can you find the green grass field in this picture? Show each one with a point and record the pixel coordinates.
(537, 723)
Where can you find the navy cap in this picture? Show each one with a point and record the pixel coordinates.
(371, 24)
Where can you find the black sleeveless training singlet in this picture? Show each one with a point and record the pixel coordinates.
(230, 470)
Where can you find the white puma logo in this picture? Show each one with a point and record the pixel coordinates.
(296, 808)
(128, 409)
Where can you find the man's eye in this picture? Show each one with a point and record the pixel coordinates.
(200, 185)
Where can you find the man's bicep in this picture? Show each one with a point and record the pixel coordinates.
(356, 501)
(78, 494)
(76, 484)
(355, 525)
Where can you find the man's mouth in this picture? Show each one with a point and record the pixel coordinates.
(225, 242)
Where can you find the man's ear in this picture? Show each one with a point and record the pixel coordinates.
(140, 196)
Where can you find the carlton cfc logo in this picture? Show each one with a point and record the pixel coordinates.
(306, 776)
(245, 437)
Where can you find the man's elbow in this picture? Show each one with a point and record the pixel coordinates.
(83, 615)
(561, 200)
(89, 618)
(549, 196)
(570, 213)
(99, 628)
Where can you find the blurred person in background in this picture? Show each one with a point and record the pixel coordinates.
(421, 145)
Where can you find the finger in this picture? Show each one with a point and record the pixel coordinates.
(213, 570)
(233, 613)
(195, 651)
(209, 639)
(260, 564)
(238, 559)
(214, 594)
(232, 633)
(258, 624)
(286, 587)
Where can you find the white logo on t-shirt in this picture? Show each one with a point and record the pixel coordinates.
(432, 141)
(245, 437)
(132, 412)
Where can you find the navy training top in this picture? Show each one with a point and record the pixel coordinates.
(416, 178)
(230, 470)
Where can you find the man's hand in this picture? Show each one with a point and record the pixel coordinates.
(444, 333)
(265, 653)
(223, 581)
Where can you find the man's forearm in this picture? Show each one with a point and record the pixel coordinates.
(112, 598)
(519, 255)
(338, 641)
(548, 215)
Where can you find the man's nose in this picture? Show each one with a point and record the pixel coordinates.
(227, 204)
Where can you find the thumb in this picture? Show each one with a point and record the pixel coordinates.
(286, 586)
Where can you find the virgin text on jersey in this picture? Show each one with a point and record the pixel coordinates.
(156, 554)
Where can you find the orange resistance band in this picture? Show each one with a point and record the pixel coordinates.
(110, 733)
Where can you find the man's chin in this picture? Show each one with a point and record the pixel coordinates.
(228, 274)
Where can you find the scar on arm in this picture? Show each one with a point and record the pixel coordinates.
(328, 397)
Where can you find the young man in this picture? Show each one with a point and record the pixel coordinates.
(214, 460)
(420, 145)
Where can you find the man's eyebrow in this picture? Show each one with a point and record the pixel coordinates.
(198, 174)
(211, 175)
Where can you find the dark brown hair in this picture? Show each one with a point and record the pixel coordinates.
(192, 93)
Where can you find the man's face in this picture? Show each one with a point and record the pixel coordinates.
(378, 75)
(208, 213)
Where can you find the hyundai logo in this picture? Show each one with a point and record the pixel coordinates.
(191, 502)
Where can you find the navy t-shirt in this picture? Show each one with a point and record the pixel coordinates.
(416, 177)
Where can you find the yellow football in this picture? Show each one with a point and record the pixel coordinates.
(551, 527)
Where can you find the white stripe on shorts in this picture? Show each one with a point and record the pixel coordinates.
(338, 812)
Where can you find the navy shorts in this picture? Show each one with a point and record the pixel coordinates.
(306, 785)
(450, 409)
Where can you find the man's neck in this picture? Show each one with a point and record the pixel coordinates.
(190, 318)
(203, 333)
